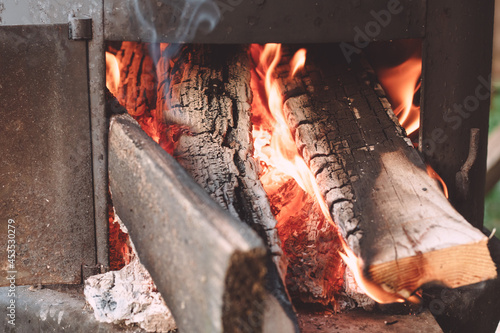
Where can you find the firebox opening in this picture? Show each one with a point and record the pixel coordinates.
(314, 140)
(138, 76)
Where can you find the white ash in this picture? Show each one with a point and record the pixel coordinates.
(128, 296)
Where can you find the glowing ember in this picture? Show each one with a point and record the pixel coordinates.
(401, 83)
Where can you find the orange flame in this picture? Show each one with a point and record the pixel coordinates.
(112, 73)
(273, 141)
(298, 61)
(401, 83)
(275, 149)
(373, 290)
(433, 174)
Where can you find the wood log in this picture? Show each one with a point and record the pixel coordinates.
(219, 161)
(206, 90)
(138, 82)
(392, 215)
(209, 267)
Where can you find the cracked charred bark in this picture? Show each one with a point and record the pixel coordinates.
(207, 91)
(392, 215)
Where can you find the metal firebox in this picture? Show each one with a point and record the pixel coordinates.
(54, 169)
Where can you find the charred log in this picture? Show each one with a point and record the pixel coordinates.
(392, 215)
(207, 91)
(137, 87)
(209, 267)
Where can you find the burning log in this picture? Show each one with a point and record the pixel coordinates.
(209, 267)
(392, 215)
(207, 91)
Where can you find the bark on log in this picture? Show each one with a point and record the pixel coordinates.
(392, 215)
(207, 91)
(137, 86)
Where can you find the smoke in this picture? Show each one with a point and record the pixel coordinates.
(197, 15)
(188, 17)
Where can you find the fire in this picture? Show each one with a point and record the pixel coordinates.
(275, 149)
(112, 73)
(433, 174)
(401, 82)
(274, 144)
(273, 141)
(298, 61)
(150, 120)
(376, 292)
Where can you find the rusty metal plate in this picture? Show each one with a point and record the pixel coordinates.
(45, 163)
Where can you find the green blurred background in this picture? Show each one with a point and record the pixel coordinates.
(492, 204)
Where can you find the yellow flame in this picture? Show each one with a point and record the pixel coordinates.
(401, 83)
(298, 61)
(374, 291)
(433, 174)
(274, 146)
(112, 73)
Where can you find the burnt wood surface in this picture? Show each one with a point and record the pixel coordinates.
(137, 86)
(391, 213)
(209, 267)
(208, 92)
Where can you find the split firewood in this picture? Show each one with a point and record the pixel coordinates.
(210, 268)
(392, 215)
